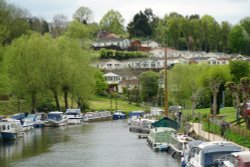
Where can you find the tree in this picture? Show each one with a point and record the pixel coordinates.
(25, 59)
(225, 29)
(239, 69)
(214, 78)
(142, 24)
(39, 25)
(59, 25)
(13, 22)
(83, 15)
(245, 22)
(237, 39)
(113, 22)
(100, 86)
(149, 85)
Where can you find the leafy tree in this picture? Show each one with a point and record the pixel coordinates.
(214, 78)
(239, 69)
(25, 58)
(113, 22)
(83, 15)
(39, 25)
(13, 22)
(225, 29)
(245, 22)
(100, 86)
(149, 85)
(142, 24)
(237, 39)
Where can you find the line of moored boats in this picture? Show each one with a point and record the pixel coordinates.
(191, 152)
(16, 125)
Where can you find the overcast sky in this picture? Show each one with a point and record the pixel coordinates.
(222, 10)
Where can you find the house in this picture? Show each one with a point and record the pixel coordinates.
(111, 43)
(112, 79)
(128, 84)
(109, 64)
(150, 43)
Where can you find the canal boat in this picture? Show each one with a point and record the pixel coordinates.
(141, 125)
(97, 116)
(135, 115)
(236, 159)
(208, 154)
(28, 122)
(187, 151)
(118, 114)
(177, 144)
(10, 129)
(40, 120)
(74, 116)
(159, 138)
(55, 119)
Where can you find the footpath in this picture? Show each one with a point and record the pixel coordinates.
(197, 127)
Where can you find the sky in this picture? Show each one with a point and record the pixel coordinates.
(222, 10)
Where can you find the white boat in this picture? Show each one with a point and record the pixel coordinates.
(55, 119)
(177, 144)
(10, 129)
(159, 138)
(40, 120)
(236, 159)
(74, 116)
(97, 116)
(207, 154)
(28, 122)
(141, 125)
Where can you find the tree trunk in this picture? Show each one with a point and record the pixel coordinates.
(56, 100)
(33, 103)
(66, 99)
(214, 103)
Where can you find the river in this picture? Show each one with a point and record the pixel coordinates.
(100, 144)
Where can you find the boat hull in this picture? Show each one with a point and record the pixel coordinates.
(9, 136)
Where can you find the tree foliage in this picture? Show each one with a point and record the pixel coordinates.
(113, 22)
(83, 15)
(149, 86)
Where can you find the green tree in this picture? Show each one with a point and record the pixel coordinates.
(149, 86)
(100, 86)
(239, 69)
(39, 25)
(142, 24)
(245, 22)
(25, 58)
(83, 15)
(225, 29)
(214, 78)
(13, 22)
(237, 39)
(113, 22)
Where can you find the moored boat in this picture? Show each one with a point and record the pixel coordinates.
(55, 119)
(159, 138)
(236, 159)
(208, 154)
(118, 114)
(10, 129)
(141, 125)
(74, 116)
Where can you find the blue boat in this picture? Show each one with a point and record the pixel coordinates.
(118, 114)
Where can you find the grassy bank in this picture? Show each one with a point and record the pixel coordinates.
(102, 103)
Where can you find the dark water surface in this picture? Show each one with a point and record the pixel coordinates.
(101, 144)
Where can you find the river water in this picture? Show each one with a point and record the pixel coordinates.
(100, 144)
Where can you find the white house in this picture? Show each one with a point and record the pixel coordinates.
(112, 78)
(109, 64)
(119, 42)
(150, 44)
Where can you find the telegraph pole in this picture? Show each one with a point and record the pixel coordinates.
(166, 75)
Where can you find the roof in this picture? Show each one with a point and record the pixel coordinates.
(219, 146)
(195, 143)
(166, 122)
(110, 74)
(243, 156)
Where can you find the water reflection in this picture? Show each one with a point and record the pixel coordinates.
(94, 145)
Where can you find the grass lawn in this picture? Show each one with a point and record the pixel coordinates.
(228, 112)
(102, 103)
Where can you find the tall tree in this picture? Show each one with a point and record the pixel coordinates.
(149, 86)
(113, 22)
(142, 24)
(239, 69)
(39, 25)
(225, 29)
(83, 15)
(237, 39)
(214, 78)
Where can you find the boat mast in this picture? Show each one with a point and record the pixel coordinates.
(166, 75)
